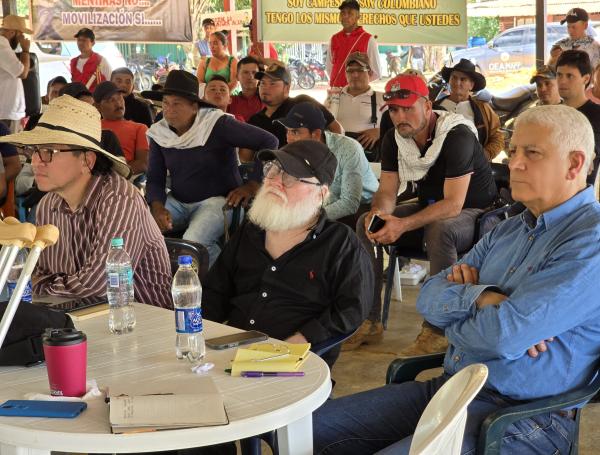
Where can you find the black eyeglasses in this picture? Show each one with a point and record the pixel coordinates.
(272, 169)
(45, 153)
(401, 94)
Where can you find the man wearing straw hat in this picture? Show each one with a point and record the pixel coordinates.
(91, 202)
(12, 70)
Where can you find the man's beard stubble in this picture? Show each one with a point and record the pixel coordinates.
(271, 210)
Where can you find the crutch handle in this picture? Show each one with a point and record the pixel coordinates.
(46, 235)
(11, 220)
(17, 234)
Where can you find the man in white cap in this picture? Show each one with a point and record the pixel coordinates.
(91, 202)
(577, 24)
(12, 70)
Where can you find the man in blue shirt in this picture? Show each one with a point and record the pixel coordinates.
(535, 278)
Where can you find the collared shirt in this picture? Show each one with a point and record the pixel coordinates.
(354, 182)
(592, 111)
(75, 266)
(549, 268)
(463, 108)
(587, 43)
(12, 101)
(322, 287)
(245, 107)
(355, 112)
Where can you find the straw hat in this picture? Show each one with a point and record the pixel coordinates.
(12, 22)
(68, 121)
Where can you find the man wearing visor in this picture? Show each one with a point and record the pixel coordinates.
(440, 153)
(289, 271)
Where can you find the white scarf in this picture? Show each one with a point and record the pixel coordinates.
(411, 165)
(196, 136)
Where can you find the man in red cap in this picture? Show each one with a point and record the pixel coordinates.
(351, 38)
(577, 24)
(440, 152)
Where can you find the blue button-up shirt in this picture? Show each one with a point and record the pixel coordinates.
(549, 268)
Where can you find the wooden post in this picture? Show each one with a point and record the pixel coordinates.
(9, 7)
(229, 5)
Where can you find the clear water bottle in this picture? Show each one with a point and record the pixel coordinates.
(119, 290)
(187, 297)
(15, 273)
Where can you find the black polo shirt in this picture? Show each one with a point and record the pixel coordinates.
(267, 123)
(592, 111)
(461, 154)
(137, 111)
(322, 287)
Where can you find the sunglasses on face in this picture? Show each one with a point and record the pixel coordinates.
(401, 94)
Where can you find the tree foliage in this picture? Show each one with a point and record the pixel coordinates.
(488, 27)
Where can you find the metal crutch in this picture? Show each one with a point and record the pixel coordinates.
(26, 234)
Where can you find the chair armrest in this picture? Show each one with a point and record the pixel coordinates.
(407, 369)
(494, 426)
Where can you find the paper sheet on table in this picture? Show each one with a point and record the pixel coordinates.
(269, 357)
(166, 405)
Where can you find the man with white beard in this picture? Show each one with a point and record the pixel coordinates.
(289, 271)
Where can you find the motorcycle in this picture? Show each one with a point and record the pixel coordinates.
(164, 67)
(318, 70)
(301, 76)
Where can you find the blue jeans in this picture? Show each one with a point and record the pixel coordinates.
(383, 421)
(203, 222)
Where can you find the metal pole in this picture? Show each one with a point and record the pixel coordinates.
(7, 259)
(540, 32)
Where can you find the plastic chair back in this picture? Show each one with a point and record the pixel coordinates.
(179, 247)
(441, 426)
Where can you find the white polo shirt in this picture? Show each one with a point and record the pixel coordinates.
(355, 112)
(12, 100)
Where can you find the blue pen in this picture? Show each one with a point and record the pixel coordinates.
(282, 374)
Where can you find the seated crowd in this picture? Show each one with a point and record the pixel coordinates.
(303, 264)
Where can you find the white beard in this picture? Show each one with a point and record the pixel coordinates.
(271, 211)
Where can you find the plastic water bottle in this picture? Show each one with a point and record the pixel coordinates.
(15, 273)
(119, 289)
(187, 297)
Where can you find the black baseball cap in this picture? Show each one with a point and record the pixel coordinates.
(121, 70)
(304, 115)
(87, 33)
(105, 90)
(275, 72)
(352, 4)
(575, 15)
(75, 89)
(208, 21)
(304, 159)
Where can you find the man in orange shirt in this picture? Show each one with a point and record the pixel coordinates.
(132, 136)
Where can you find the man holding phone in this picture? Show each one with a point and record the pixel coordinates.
(441, 152)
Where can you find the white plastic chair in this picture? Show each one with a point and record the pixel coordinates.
(442, 425)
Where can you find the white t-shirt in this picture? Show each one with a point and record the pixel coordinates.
(354, 112)
(105, 68)
(463, 108)
(12, 100)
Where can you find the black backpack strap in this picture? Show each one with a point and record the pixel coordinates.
(25, 352)
(374, 109)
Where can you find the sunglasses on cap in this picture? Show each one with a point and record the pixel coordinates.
(401, 94)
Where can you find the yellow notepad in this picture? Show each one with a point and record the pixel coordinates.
(269, 357)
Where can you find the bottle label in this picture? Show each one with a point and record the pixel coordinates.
(188, 320)
(113, 280)
(26, 297)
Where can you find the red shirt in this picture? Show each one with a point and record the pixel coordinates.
(245, 107)
(132, 135)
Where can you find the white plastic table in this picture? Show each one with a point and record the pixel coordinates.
(254, 405)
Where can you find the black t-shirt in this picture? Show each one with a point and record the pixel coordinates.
(261, 119)
(592, 111)
(461, 154)
(137, 111)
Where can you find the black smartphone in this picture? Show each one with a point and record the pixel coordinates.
(236, 339)
(376, 224)
(39, 408)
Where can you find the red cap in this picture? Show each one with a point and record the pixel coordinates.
(405, 90)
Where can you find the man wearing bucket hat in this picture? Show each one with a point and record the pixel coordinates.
(195, 143)
(440, 151)
(290, 271)
(12, 70)
(577, 25)
(464, 80)
(91, 202)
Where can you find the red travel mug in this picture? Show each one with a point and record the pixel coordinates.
(66, 361)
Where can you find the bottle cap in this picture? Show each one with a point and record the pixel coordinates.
(184, 260)
(117, 241)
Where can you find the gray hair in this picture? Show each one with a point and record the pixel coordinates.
(570, 130)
